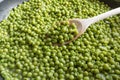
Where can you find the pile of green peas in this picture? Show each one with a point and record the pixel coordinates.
(26, 53)
(61, 32)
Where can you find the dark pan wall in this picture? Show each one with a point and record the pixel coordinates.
(112, 3)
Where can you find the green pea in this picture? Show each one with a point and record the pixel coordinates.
(71, 77)
(106, 67)
(86, 78)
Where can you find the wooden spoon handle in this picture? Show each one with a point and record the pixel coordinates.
(104, 15)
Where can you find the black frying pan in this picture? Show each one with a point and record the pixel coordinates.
(111, 3)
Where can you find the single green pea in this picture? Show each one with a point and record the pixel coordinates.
(29, 74)
(106, 67)
(71, 77)
(96, 71)
(85, 73)
(86, 78)
(55, 74)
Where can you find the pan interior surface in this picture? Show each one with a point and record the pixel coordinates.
(112, 3)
